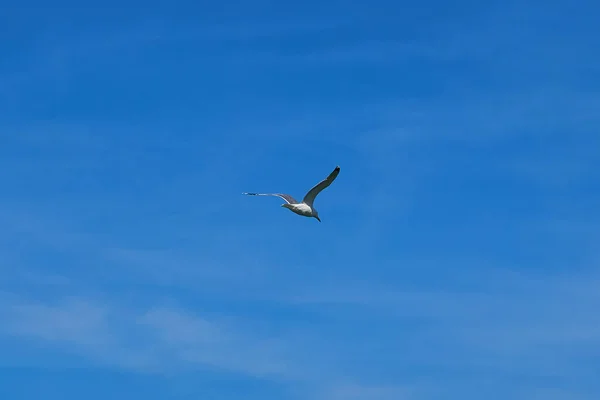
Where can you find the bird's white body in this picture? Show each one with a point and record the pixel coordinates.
(300, 209)
(304, 207)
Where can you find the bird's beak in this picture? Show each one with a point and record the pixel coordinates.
(318, 219)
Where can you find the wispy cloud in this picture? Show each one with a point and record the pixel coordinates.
(537, 327)
(509, 323)
(157, 340)
(73, 325)
(195, 340)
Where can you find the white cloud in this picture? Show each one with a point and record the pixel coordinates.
(157, 340)
(75, 326)
(192, 339)
(512, 324)
(535, 325)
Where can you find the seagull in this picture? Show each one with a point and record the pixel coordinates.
(304, 207)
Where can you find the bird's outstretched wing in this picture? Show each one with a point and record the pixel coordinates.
(289, 199)
(312, 193)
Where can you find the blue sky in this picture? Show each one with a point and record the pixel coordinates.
(458, 254)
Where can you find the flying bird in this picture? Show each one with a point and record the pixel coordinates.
(304, 207)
